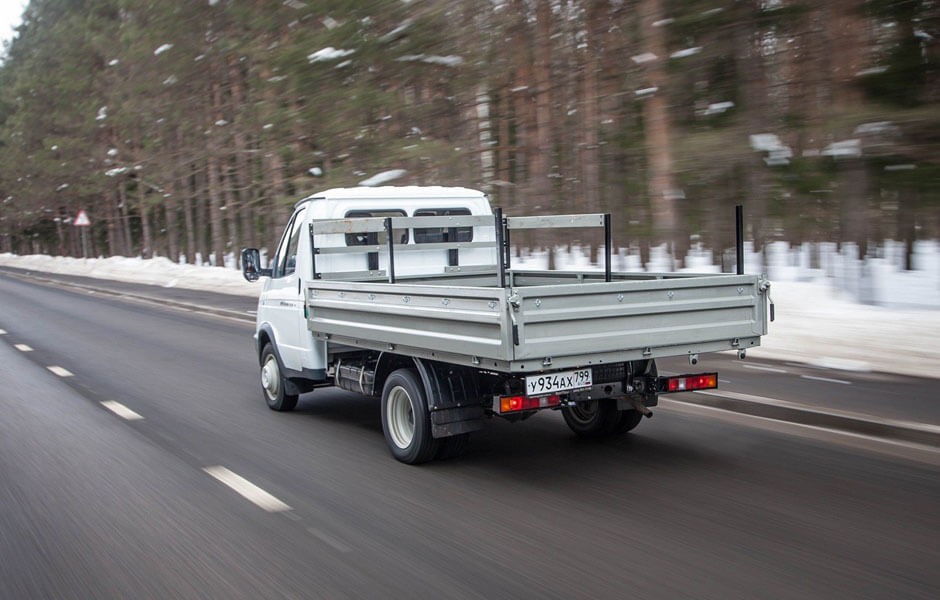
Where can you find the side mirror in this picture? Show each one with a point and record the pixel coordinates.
(251, 265)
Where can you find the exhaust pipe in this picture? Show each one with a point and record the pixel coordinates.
(640, 407)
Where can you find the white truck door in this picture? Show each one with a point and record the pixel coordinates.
(284, 300)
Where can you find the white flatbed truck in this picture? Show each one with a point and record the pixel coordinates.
(408, 294)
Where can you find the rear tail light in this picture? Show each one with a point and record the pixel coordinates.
(516, 403)
(685, 383)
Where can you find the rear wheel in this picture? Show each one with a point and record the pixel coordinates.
(273, 383)
(628, 420)
(453, 446)
(592, 419)
(405, 418)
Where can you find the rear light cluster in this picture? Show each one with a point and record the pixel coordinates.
(514, 403)
(684, 383)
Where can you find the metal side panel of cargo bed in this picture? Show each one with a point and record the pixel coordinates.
(460, 324)
(631, 319)
(529, 328)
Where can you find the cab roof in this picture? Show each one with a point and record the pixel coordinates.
(396, 192)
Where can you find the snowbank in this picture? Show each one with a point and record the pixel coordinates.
(815, 323)
(156, 271)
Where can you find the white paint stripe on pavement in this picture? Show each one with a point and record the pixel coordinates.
(247, 490)
(22, 347)
(827, 379)
(760, 368)
(60, 371)
(3, 331)
(121, 410)
(328, 539)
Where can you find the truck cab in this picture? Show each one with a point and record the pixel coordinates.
(281, 320)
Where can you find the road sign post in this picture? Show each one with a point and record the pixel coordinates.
(82, 220)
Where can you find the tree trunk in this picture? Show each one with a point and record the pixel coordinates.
(190, 227)
(147, 250)
(215, 210)
(213, 174)
(656, 121)
(542, 158)
(124, 209)
(754, 91)
(231, 211)
(243, 176)
(171, 213)
(112, 229)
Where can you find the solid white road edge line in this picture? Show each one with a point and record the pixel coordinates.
(910, 450)
(22, 347)
(121, 410)
(768, 369)
(246, 489)
(827, 379)
(60, 371)
(832, 411)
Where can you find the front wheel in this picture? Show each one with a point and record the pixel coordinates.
(405, 418)
(273, 383)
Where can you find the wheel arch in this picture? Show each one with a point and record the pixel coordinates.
(453, 394)
(293, 385)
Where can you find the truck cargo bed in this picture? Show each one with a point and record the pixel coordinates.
(541, 319)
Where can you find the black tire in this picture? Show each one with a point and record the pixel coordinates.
(273, 384)
(453, 446)
(594, 418)
(405, 418)
(628, 420)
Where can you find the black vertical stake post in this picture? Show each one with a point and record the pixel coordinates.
(606, 246)
(739, 236)
(313, 254)
(500, 250)
(391, 249)
(508, 247)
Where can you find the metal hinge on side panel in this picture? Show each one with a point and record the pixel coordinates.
(765, 289)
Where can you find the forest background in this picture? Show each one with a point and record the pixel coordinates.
(190, 128)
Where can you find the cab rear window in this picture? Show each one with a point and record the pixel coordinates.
(436, 235)
(375, 238)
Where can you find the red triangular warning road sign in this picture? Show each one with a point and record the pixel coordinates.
(82, 219)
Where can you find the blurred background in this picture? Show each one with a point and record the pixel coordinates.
(189, 129)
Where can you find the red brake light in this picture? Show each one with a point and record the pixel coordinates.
(684, 383)
(514, 403)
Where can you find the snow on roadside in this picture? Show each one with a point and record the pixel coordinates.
(814, 324)
(156, 271)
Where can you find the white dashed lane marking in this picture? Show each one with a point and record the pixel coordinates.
(60, 371)
(247, 490)
(3, 331)
(768, 369)
(328, 539)
(22, 347)
(121, 410)
(826, 379)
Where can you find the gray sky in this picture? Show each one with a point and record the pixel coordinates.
(10, 13)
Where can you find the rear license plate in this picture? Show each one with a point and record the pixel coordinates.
(550, 383)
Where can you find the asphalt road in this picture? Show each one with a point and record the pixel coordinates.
(877, 394)
(693, 504)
